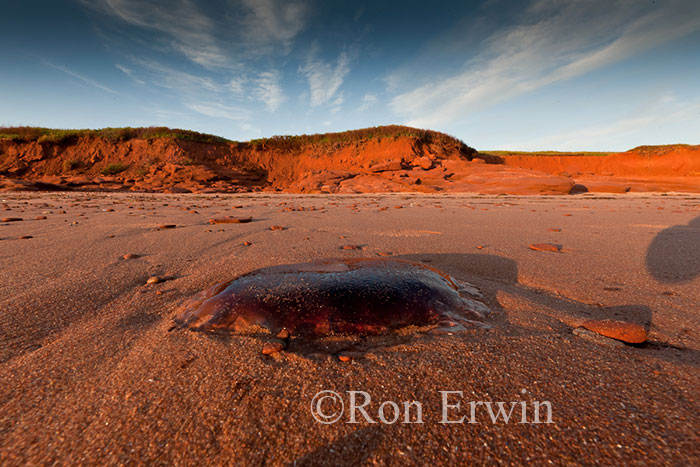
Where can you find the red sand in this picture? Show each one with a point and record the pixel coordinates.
(91, 371)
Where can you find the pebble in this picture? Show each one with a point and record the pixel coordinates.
(620, 330)
(167, 226)
(231, 220)
(246, 243)
(153, 280)
(546, 247)
(40, 218)
(345, 358)
(385, 253)
(352, 247)
(130, 256)
(276, 227)
(25, 237)
(273, 347)
(11, 219)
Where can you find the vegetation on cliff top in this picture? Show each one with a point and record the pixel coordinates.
(363, 134)
(284, 143)
(51, 135)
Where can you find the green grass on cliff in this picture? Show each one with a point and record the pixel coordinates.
(284, 143)
(353, 136)
(51, 135)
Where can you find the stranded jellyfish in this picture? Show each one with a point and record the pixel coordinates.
(359, 296)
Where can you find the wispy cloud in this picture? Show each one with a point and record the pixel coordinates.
(183, 25)
(637, 126)
(80, 77)
(368, 100)
(218, 110)
(216, 34)
(268, 90)
(130, 73)
(337, 103)
(236, 85)
(557, 40)
(270, 23)
(185, 83)
(324, 78)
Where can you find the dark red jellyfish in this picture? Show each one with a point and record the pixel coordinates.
(358, 296)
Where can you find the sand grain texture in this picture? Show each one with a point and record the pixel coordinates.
(92, 371)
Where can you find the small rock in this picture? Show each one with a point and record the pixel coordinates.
(40, 218)
(385, 253)
(387, 166)
(578, 189)
(553, 230)
(424, 163)
(167, 226)
(620, 330)
(546, 247)
(273, 347)
(130, 256)
(283, 334)
(246, 243)
(352, 247)
(154, 280)
(276, 227)
(26, 237)
(231, 220)
(11, 219)
(345, 358)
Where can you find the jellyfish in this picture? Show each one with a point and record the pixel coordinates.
(328, 297)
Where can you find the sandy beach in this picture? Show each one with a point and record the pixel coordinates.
(92, 370)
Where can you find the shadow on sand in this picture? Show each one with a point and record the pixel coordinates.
(673, 257)
(497, 269)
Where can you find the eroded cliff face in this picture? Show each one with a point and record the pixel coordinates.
(169, 164)
(352, 165)
(646, 168)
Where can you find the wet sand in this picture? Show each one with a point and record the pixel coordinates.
(92, 371)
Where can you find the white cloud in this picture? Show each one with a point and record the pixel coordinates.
(338, 102)
(639, 126)
(236, 85)
(324, 78)
(129, 72)
(273, 22)
(184, 26)
(558, 40)
(268, 90)
(368, 100)
(214, 35)
(80, 77)
(217, 110)
(183, 82)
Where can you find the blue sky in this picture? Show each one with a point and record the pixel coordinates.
(537, 74)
